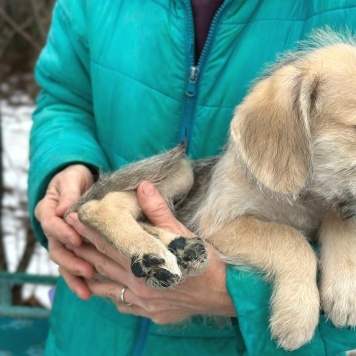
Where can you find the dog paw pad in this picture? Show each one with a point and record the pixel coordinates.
(151, 260)
(152, 268)
(137, 269)
(165, 278)
(191, 254)
(178, 244)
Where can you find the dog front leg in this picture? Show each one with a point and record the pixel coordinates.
(289, 262)
(338, 270)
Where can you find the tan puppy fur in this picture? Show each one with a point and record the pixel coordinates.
(111, 208)
(287, 175)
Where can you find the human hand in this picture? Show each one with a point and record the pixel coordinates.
(64, 189)
(205, 294)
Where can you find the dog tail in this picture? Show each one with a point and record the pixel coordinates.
(156, 169)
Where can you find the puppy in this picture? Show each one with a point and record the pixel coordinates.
(286, 177)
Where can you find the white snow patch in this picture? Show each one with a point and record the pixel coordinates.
(16, 113)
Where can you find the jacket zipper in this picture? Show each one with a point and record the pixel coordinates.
(190, 104)
(140, 342)
(195, 71)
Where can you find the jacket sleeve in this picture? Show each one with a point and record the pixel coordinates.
(251, 295)
(63, 130)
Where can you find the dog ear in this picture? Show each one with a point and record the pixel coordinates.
(271, 130)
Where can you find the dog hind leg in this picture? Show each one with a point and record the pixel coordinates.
(114, 217)
(191, 252)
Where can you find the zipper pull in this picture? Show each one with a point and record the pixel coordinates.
(193, 77)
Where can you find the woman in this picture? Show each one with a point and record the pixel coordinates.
(123, 80)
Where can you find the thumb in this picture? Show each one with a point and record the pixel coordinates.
(157, 210)
(66, 200)
(69, 193)
(70, 184)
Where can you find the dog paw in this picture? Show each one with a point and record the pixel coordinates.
(88, 212)
(156, 270)
(294, 332)
(338, 301)
(295, 317)
(191, 253)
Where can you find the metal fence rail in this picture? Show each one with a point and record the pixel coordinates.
(23, 329)
(7, 281)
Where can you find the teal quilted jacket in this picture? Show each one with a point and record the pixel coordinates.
(119, 83)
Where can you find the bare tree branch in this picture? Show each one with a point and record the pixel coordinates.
(6, 42)
(3, 261)
(19, 30)
(36, 16)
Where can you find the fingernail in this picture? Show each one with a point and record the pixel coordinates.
(148, 189)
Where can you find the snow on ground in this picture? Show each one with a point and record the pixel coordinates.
(15, 113)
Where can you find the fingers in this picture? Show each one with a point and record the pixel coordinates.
(76, 284)
(157, 210)
(75, 180)
(110, 290)
(104, 265)
(74, 271)
(54, 227)
(150, 307)
(65, 258)
(66, 200)
(153, 306)
(113, 292)
(64, 189)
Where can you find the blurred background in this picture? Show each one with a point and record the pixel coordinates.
(26, 273)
